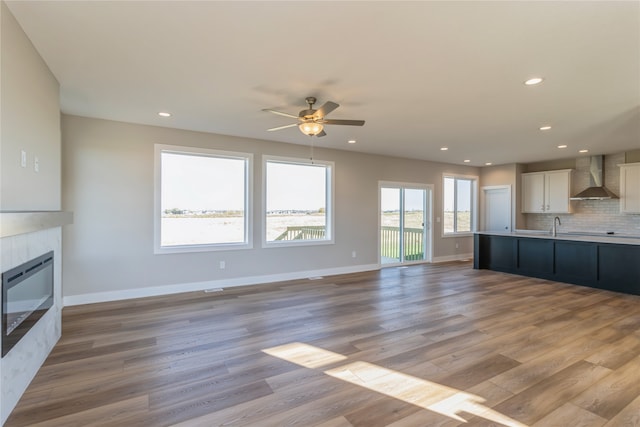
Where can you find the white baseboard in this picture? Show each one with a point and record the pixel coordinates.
(212, 284)
(449, 258)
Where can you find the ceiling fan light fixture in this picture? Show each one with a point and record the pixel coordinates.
(310, 128)
(311, 122)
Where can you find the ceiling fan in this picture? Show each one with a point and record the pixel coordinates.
(311, 122)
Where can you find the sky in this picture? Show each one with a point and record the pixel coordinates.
(202, 183)
(194, 182)
(464, 195)
(291, 186)
(413, 199)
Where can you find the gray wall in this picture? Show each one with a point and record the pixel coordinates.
(108, 184)
(505, 175)
(30, 122)
(632, 156)
(551, 165)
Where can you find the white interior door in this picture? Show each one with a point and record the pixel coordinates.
(497, 208)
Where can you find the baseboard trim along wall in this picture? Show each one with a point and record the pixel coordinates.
(211, 284)
(456, 257)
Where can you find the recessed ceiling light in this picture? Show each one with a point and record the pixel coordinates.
(466, 160)
(164, 114)
(534, 81)
(545, 127)
(351, 141)
(583, 151)
(488, 164)
(562, 146)
(444, 148)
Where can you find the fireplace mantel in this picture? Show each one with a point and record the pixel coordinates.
(13, 223)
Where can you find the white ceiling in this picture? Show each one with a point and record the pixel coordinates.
(422, 74)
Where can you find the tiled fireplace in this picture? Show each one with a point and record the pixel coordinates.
(27, 295)
(24, 238)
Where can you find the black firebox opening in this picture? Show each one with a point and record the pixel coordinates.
(27, 294)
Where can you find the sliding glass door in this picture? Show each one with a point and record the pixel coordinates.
(390, 208)
(405, 218)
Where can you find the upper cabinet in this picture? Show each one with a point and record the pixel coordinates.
(630, 188)
(546, 192)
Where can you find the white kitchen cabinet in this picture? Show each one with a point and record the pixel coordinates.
(630, 188)
(533, 192)
(546, 192)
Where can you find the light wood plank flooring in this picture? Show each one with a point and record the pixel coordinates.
(427, 345)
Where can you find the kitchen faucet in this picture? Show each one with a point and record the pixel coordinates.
(554, 230)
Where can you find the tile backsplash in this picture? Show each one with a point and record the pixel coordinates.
(592, 215)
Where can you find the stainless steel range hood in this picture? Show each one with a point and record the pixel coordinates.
(596, 190)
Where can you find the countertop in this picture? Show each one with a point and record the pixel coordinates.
(622, 239)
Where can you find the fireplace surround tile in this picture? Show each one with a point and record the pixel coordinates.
(21, 364)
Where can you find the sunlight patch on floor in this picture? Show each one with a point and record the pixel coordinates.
(305, 355)
(434, 397)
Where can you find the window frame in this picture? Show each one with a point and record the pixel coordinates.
(329, 201)
(473, 204)
(157, 215)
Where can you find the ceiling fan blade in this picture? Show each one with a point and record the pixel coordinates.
(280, 113)
(322, 133)
(342, 122)
(282, 127)
(326, 109)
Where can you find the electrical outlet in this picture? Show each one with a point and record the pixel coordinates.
(222, 265)
(457, 245)
(36, 164)
(353, 254)
(23, 158)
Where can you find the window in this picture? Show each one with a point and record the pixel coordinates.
(202, 200)
(298, 202)
(459, 204)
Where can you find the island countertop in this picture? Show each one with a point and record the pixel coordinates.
(578, 236)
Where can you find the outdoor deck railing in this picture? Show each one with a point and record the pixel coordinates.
(307, 232)
(389, 240)
(413, 243)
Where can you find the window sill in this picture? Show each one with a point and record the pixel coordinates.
(201, 248)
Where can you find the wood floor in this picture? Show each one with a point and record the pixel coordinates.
(427, 345)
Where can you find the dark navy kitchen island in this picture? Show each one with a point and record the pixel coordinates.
(598, 261)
